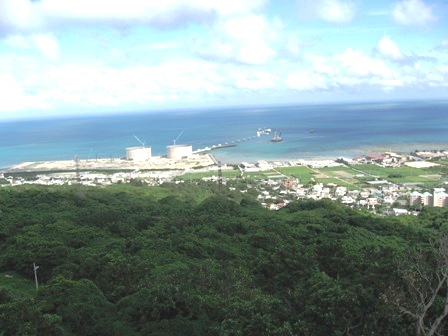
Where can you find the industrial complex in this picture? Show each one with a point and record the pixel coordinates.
(137, 158)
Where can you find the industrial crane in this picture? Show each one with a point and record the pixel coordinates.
(174, 140)
(143, 144)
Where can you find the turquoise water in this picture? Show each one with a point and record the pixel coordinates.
(308, 131)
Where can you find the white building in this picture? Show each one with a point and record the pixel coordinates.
(341, 191)
(264, 165)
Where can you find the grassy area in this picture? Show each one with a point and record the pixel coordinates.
(342, 176)
(443, 161)
(343, 173)
(17, 285)
(384, 172)
(350, 185)
(263, 175)
(304, 174)
(327, 180)
(200, 175)
(424, 181)
(335, 170)
(405, 174)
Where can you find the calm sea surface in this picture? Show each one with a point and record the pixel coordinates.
(308, 131)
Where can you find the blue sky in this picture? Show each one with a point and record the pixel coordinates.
(65, 57)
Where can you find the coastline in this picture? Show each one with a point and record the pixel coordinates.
(202, 160)
(338, 131)
(111, 164)
(345, 154)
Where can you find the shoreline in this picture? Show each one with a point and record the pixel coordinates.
(308, 132)
(162, 163)
(105, 164)
(155, 163)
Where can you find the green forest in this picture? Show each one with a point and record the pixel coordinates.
(184, 259)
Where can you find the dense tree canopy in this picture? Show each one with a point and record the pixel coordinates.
(123, 261)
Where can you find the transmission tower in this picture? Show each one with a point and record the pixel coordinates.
(78, 175)
(219, 175)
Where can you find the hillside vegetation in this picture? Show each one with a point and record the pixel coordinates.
(189, 260)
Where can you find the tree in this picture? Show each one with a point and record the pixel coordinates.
(425, 275)
(81, 305)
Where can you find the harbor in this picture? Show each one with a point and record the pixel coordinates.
(260, 132)
(137, 158)
(323, 132)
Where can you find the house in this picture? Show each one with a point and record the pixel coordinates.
(372, 201)
(347, 200)
(341, 191)
(373, 157)
(263, 165)
(398, 212)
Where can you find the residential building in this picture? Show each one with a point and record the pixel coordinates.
(440, 197)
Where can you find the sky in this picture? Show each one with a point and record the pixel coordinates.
(69, 57)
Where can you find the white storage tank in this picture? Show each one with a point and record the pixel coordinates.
(178, 152)
(138, 153)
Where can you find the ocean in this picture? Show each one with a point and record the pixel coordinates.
(308, 131)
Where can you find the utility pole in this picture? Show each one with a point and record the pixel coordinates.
(35, 268)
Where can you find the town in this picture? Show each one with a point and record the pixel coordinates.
(385, 183)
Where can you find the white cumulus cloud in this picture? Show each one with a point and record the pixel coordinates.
(357, 63)
(351, 70)
(19, 15)
(17, 41)
(306, 81)
(389, 49)
(47, 45)
(243, 39)
(334, 11)
(22, 15)
(254, 80)
(143, 9)
(443, 68)
(15, 97)
(413, 13)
